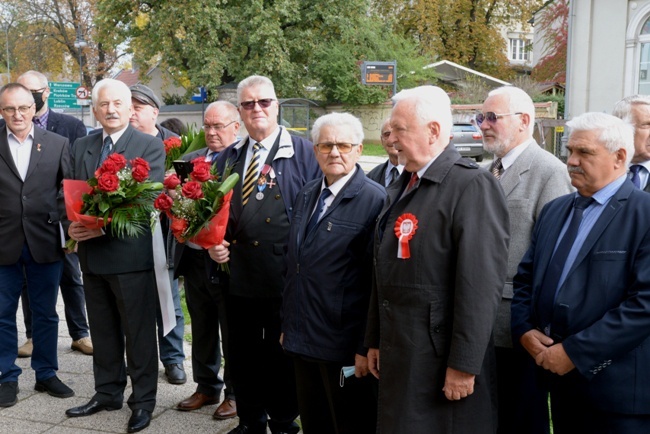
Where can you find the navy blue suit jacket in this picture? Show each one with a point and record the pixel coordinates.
(602, 310)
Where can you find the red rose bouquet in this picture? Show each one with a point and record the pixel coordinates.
(176, 147)
(117, 194)
(199, 211)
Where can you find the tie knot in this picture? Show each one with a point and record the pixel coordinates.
(635, 168)
(582, 202)
(257, 146)
(108, 141)
(325, 193)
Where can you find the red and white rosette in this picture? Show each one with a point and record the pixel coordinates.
(405, 228)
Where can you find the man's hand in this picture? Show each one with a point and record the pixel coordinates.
(360, 366)
(555, 359)
(373, 361)
(79, 232)
(458, 384)
(220, 253)
(535, 342)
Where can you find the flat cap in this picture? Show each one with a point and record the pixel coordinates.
(145, 95)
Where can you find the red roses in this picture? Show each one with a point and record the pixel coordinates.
(140, 169)
(108, 182)
(192, 190)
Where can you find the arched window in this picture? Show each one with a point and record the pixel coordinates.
(644, 60)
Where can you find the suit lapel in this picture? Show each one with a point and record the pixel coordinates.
(93, 150)
(553, 234)
(52, 121)
(611, 209)
(5, 153)
(522, 164)
(38, 149)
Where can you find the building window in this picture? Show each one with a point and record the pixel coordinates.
(519, 49)
(644, 61)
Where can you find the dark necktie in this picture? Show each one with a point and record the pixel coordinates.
(251, 174)
(394, 174)
(636, 179)
(319, 209)
(497, 168)
(107, 147)
(549, 286)
(213, 157)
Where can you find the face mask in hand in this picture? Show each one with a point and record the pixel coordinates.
(38, 99)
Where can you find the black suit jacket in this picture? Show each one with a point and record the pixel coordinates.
(378, 174)
(30, 210)
(106, 254)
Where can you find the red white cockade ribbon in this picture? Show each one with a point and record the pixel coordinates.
(405, 228)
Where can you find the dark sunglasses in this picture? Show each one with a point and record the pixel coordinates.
(491, 117)
(263, 103)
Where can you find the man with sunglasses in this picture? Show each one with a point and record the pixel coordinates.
(388, 172)
(33, 164)
(530, 177)
(273, 167)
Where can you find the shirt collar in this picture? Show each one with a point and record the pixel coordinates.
(339, 184)
(509, 159)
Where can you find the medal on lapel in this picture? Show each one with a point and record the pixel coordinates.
(271, 181)
(405, 228)
(261, 182)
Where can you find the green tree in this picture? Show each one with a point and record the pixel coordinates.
(291, 41)
(463, 31)
(554, 27)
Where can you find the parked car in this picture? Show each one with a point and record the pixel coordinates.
(468, 140)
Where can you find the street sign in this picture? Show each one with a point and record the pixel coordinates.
(63, 95)
(201, 96)
(82, 92)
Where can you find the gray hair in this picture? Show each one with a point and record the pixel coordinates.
(254, 80)
(615, 133)
(518, 102)
(119, 88)
(230, 107)
(338, 120)
(42, 79)
(623, 108)
(431, 104)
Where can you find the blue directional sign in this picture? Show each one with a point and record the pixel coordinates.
(202, 96)
(63, 95)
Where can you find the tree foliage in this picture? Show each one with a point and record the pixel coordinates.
(50, 27)
(466, 32)
(299, 44)
(553, 25)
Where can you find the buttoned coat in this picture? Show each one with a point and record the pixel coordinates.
(602, 310)
(32, 209)
(437, 308)
(534, 179)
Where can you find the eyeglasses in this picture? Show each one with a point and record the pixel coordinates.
(38, 90)
(23, 109)
(326, 148)
(492, 117)
(386, 134)
(250, 105)
(216, 127)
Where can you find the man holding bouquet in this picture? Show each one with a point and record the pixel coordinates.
(118, 271)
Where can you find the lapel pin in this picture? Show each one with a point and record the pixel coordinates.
(38, 147)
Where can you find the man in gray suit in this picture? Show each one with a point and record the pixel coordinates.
(635, 109)
(530, 178)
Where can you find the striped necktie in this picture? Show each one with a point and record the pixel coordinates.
(497, 168)
(251, 174)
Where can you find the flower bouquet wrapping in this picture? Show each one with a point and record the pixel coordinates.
(176, 147)
(199, 212)
(117, 194)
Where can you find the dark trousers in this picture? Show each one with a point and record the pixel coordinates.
(326, 407)
(262, 373)
(72, 292)
(205, 303)
(122, 314)
(573, 413)
(170, 345)
(523, 405)
(43, 287)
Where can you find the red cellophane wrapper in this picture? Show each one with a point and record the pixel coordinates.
(73, 191)
(214, 233)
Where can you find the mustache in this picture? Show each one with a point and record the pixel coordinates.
(574, 169)
(111, 116)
